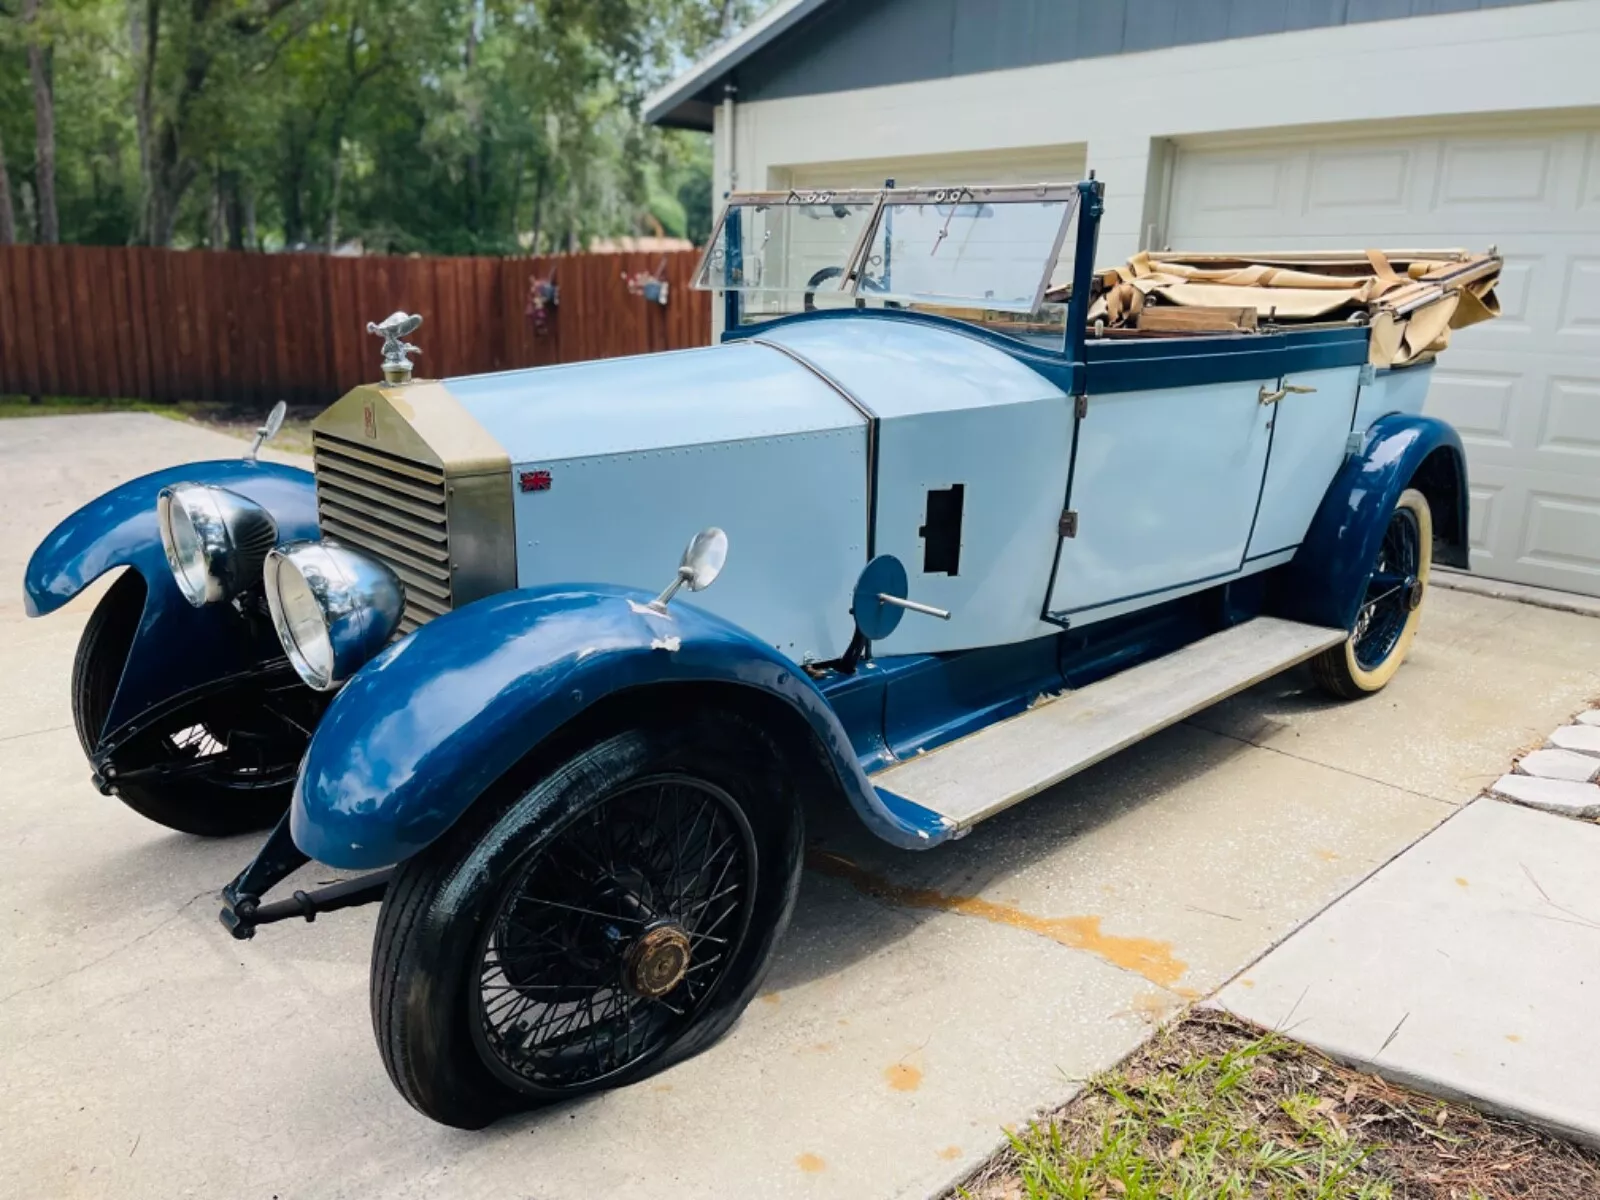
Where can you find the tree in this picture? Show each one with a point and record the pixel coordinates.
(41, 55)
(8, 214)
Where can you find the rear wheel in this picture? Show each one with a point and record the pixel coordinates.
(587, 930)
(221, 765)
(1391, 609)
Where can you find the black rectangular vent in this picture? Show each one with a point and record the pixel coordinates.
(941, 536)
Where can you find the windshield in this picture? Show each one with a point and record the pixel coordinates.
(786, 242)
(994, 247)
(997, 249)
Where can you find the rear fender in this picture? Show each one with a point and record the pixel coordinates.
(1327, 579)
(425, 728)
(177, 646)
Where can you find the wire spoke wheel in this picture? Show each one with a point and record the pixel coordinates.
(1391, 590)
(609, 940)
(1386, 619)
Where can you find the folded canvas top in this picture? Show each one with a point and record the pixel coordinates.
(1411, 298)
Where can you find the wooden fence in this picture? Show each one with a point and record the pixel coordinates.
(174, 325)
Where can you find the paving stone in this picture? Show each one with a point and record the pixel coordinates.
(1559, 764)
(1583, 738)
(1592, 717)
(1563, 796)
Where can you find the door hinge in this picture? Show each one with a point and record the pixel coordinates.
(1083, 407)
(1068, 525)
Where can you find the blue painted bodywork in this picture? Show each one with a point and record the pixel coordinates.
(177, 646)
(1326, 581)
(421, 731)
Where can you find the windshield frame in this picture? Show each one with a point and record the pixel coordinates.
(958, 194)
(790, 197)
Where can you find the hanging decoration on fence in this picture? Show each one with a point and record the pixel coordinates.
(652, 285)
(543, 299)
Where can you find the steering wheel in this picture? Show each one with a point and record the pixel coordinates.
(827, 273)
(817, 277)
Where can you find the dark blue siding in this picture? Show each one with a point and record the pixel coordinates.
(865, 43)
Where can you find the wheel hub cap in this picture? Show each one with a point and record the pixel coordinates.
(1414, 593)
(657, 962)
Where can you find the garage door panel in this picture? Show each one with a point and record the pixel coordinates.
(1374, 184)
(1570, 421)
(1478, 403)
(1561, 532)
(1580, 300)
(1524, 390)
(1502, 174)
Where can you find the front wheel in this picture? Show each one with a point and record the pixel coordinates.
(1391, 609)
(586, 931)
(218, 765)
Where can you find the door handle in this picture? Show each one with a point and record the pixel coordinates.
(1287, 389)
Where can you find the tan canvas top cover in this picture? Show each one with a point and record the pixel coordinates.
(1411, 298)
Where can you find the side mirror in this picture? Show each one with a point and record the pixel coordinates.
(268, 430)
(702, 562)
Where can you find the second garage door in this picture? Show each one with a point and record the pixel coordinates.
(1524, 390)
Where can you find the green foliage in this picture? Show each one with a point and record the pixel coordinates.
(436, 126)
(1197, 1131)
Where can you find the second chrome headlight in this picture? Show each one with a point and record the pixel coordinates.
(333, 608)
(215, 540)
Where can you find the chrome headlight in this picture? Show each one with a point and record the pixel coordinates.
(333, 608)
(215, 540)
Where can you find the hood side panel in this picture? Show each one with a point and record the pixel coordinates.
(650, 402)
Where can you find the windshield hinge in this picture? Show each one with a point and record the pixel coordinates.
(1083, 407)
(1068, 525)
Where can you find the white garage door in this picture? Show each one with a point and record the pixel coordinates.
(1524, 391)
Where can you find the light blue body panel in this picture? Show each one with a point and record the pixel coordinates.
(1165, 484)
(177, 646)
(794, 507)
(650, 402)
(907, 368)
(1309, 433)
(1011, 462)
(422, 730)
(1402, 390)
(952, 409)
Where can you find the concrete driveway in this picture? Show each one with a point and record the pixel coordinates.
(918, 1006)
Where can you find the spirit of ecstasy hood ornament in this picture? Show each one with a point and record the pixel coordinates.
(392, 329)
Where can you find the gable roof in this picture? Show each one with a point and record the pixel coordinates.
(687, 102)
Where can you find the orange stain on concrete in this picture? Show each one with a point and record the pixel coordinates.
(1460, 882)
(1328, 855)
(903, 1077)
(822, 1047)
(810, 1163)
(1144, 956)
(1513, 1037)
(1247, 983)
(950, 1153)
(772, 998)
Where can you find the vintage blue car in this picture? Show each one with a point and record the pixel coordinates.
(976, 516)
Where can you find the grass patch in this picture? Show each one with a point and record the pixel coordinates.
(1213, 1109)
(235, 420)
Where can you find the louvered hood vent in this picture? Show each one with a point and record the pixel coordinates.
(407, 475)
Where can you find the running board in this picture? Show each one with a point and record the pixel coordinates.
(984, 772)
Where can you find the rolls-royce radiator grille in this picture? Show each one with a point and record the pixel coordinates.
(390, 507)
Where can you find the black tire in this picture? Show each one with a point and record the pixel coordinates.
(1391, 609)
(221, 804)
(439, 932)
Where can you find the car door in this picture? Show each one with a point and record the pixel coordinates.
(1165, 485)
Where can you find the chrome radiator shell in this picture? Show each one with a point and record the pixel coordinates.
(407, 474)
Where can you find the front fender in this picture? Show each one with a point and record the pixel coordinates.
(425, 728)
(1327, 579)
(177, 645)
